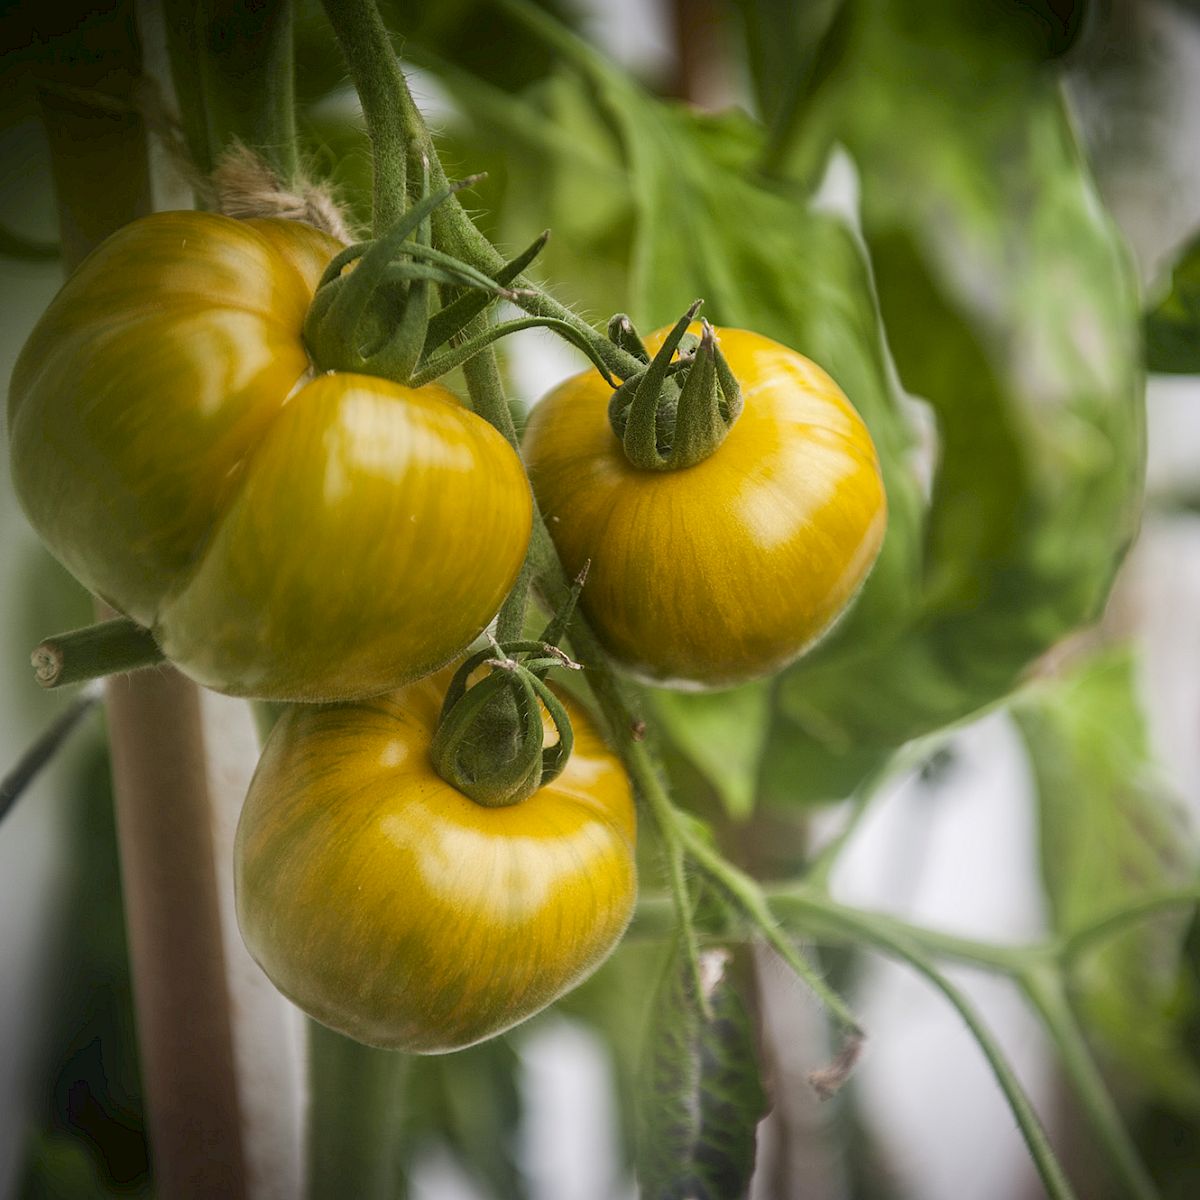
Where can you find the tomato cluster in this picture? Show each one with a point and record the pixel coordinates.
(284, 536)
(313, 536)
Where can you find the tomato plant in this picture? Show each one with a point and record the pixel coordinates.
(390, 906)
(172, 445)
(880, 514)
(728, 569)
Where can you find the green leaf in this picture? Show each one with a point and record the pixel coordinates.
(702, 1098)
(1172, 327)
(1011, 309)
(1110, 831)
(59, 1166)
(723, 734)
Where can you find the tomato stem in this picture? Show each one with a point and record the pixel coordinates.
(379, 82)
(108, 648)
(397, 131)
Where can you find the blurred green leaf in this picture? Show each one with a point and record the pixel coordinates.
(1011, 309)
(781, 40)
(356, 1145)
(702, 1097)
(1111, 830)
(59, 1167)
(723, 734)
(604, 1004)
(1172, 327)
(471, 1101)
(1166, 1133)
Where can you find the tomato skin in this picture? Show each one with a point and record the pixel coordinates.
(719, 573)
(392, 908)
(170, 445)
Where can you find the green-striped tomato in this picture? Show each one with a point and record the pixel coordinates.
(284, 536)
(720, 572)
(391, 907)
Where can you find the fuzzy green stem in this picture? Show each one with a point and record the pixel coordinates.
(1034, 1132)
(357, 22)
(747, 896)
(109, 648)
(1046, 992)
(828, 922)
(396, 126)
(373, 66)
(679, 841)
(1079, 942)
(510, 623)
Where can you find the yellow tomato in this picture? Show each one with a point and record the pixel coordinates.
(284, 536)
(720, 572)
(392, 908)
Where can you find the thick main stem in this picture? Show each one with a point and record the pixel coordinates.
(381, 89)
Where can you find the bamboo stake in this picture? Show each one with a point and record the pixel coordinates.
(161, 782)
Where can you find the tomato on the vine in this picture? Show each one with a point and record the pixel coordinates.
(282, 535)
(391, 907)
(726, 570)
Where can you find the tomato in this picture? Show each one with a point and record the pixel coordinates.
(283, 535)
(715, 574)
(392, 908)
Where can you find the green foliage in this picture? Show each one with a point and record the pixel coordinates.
(723, 735)
(1172, 326)
(375, 1111)
(1112, 832)
(702, 1097)
(1011, 309)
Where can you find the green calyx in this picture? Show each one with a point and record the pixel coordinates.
(490, 739)
(677, 411)
(376, 318)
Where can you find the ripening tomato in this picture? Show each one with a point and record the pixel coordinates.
(283, 535)
(392, 908)
(723, 571)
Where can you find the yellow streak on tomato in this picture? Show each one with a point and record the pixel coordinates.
(392, 908)
(406, 520)
(729, 569)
